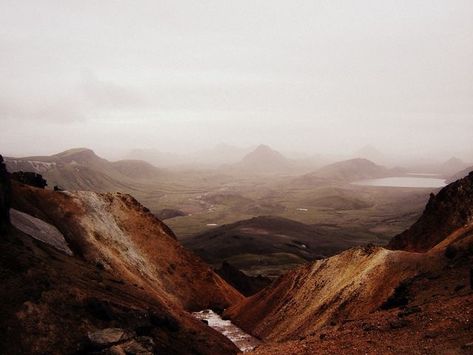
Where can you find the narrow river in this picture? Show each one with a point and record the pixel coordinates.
(244, 341)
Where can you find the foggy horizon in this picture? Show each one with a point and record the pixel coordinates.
(314, 77)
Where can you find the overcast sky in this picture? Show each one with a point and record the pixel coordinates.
(313, 76)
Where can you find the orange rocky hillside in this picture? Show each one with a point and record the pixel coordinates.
(84, 272)
(376, 300)
(116, 233)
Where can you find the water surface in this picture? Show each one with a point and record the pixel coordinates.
(244, 341)
(403, 181)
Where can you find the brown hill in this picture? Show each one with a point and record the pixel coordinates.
(116, 232)
(57, 304)
(127, 271)
(346, 286)
(137, 169)
(376, 300)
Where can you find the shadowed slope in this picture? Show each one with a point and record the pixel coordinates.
(449, 210)
(52, 303)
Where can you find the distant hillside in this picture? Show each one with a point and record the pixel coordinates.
(269, 244)
(452, 166)
(348, 171)
(137, 169)
(157, 158)
(264, 160)
(82, 169)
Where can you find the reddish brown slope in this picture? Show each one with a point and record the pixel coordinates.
(116, 233)
(373, 302)
(377, 300)
(437, 320)
(51, 302)
(113, 293)
(346, 286)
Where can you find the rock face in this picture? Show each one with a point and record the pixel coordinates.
(247, 285)
(449, 210)
(4, 197)
(38, 229)
(29, 178)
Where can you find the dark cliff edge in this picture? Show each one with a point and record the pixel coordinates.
(5, 189)
(450, 209)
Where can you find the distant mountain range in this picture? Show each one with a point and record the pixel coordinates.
(82, 169)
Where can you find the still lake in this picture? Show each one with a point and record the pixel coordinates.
(403, 181)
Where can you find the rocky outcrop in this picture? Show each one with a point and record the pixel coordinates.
(29, 178)
(450, 209)
(38, 229)
(4, 197)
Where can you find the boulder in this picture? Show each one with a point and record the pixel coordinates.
(29, 178)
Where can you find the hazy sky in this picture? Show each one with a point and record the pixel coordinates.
(314, 76)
